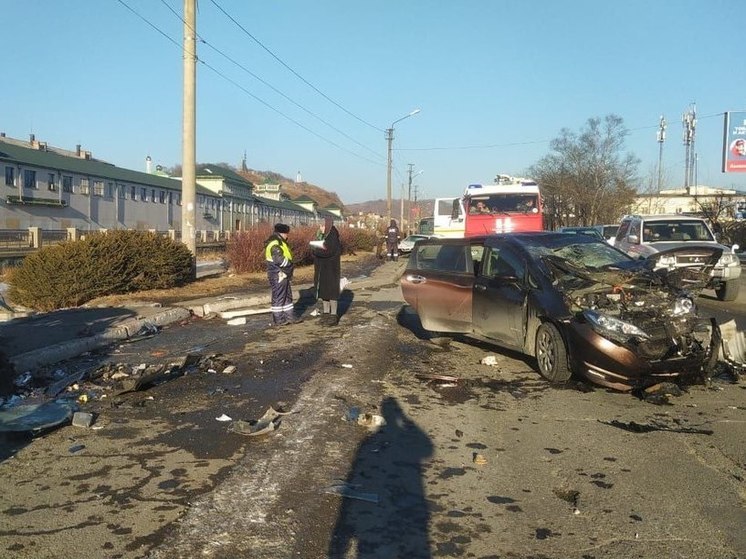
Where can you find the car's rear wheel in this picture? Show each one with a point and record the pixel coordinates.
(551, 354)
(728, 290)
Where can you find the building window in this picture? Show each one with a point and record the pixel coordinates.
(121, 191)
(133, 193)
(143, 194)
(152, 195)
(85, 187)
(170, 198)
(50, 182)
(162, 196)
(200, 201)
(110, 190)
(178, 199)
(10, 176)
(98, 188)
(67, 183)
(29, 179)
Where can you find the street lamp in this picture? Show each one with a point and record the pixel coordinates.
(390, 139)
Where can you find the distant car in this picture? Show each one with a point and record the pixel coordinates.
(643, 235)
(608, 232)
(590, 231)
(572, 301)
(407, 243)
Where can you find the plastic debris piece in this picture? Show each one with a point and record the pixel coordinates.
(346, 366)
(82, 419)
(224, 417)
(437, 378)
(23, 379)
(238, 321)
(83, 398)
(76, 448)
(350, 491)
(479, 459)
(230, 369)
(262, 426)
(371, 420)
(35, 417)
(490, 360)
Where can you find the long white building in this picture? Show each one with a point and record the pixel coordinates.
(56, 189)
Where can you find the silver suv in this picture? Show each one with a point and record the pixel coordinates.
(644, 235)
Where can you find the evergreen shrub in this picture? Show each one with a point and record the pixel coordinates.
(115, 262)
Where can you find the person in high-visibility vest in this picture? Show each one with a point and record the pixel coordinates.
(280, 273)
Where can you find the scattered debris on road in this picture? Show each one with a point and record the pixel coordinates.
(634, 427)
(264, 425)
(350, 491)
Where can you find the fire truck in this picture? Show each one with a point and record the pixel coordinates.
(510, 204)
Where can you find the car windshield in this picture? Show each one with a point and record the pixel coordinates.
(580, 250)
(675, 230)
(414, 238)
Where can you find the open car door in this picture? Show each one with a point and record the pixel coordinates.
(438, 283)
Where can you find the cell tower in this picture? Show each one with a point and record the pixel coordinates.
(689, 121)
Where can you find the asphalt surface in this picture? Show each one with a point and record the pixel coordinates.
(36, 340)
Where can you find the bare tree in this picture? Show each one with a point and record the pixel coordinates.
(587, 179)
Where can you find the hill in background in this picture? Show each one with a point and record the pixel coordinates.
(294, 189)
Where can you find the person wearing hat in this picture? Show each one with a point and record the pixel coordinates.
(328, 268)
(280, 273)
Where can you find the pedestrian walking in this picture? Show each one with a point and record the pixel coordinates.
(280, 274)
(327, 262)
(392, 241)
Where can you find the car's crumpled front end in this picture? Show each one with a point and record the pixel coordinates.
(636, 325)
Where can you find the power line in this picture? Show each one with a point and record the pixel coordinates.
(273, 88)
(296, 74)
(265, 103)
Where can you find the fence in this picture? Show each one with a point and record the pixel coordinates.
(19, 242)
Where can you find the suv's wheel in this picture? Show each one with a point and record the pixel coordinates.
(728, 290)
(551, 354)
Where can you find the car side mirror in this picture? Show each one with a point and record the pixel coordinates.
(634, 239)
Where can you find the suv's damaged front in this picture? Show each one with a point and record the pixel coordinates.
(634, 325)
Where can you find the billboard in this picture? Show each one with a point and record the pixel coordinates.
(734, 142)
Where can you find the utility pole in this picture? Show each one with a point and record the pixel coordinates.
(409, 194)
(389, 140)
(188, 135)
(661, 139)
(401, 208)
(689, 121)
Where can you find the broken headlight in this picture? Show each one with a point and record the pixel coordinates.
(683, 305)
(613, 328)
(728, 259)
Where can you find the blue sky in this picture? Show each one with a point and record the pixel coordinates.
(495, 81)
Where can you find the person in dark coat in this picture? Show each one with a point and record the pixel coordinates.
(328, 272)
(279, 260)
(392, 241)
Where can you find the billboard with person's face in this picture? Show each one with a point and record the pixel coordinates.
(734, 143)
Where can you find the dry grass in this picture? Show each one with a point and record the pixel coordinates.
(210, 287)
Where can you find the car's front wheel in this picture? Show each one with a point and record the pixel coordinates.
(551, 354)
(728, 290)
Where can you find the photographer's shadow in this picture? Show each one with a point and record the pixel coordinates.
(388, 465)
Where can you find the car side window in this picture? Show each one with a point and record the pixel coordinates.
(501, 262)
(634, 229)
(443, 258)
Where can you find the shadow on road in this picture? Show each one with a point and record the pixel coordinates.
(387, 468)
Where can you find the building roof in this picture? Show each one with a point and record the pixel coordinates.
(50, 158)
(212, 170)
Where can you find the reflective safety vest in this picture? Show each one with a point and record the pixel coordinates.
(285, 251)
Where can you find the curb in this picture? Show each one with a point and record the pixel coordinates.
(179, 311)
(67, 350)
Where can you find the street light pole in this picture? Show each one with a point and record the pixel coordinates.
(390, 140)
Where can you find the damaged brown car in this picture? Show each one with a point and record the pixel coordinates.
(575, 303)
